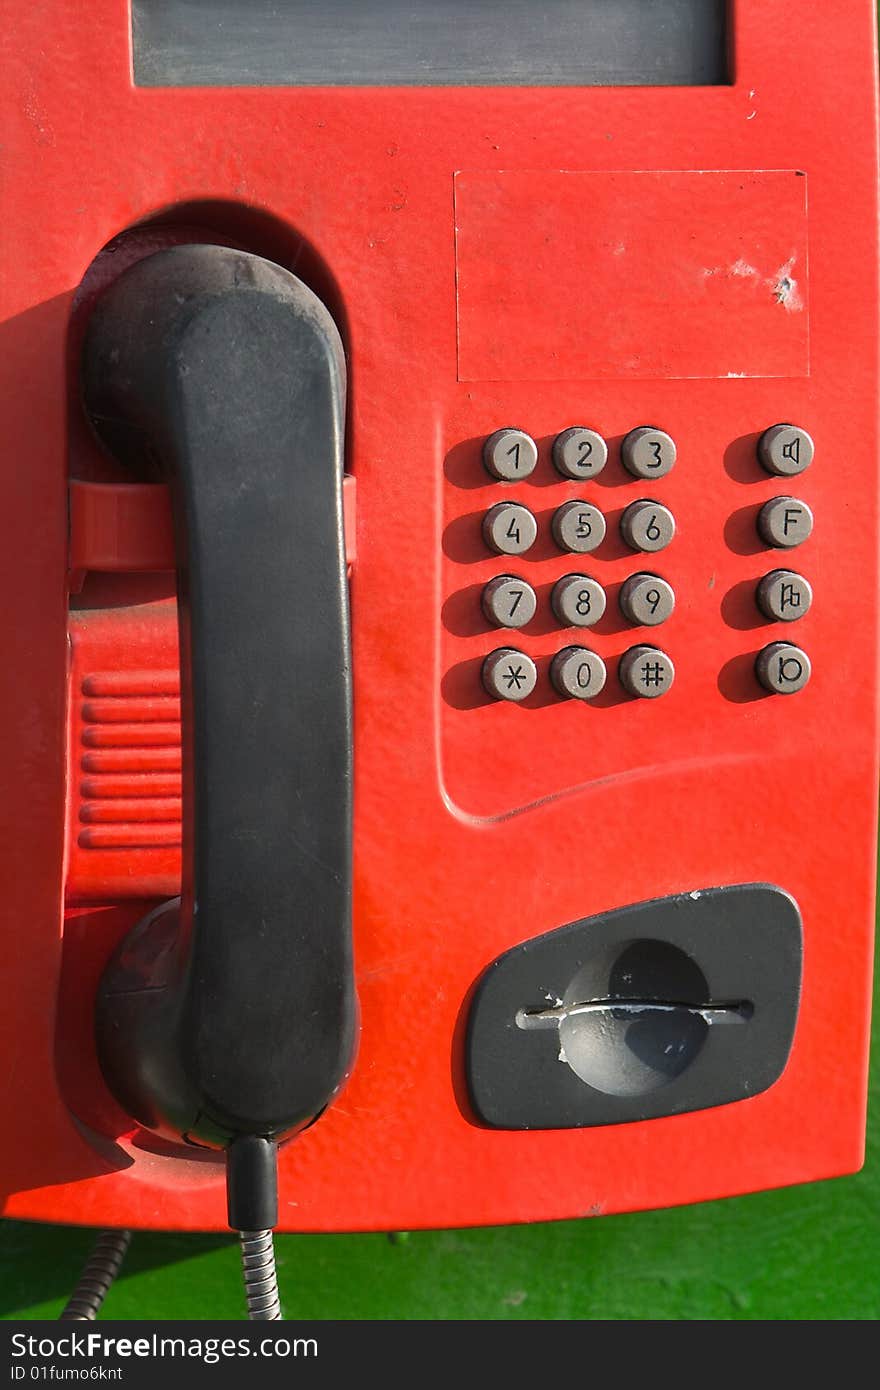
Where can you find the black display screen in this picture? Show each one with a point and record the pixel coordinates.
(476, 43)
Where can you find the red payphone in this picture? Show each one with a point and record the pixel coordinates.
(558, 850)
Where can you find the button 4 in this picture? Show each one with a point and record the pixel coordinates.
(509, 528)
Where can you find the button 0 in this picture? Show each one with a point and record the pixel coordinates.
(578, 601)
(509, 602)
(578, 527)
(785, 450)
(784, 522)
(509, 675)
(783, 596)
(646, 525)
(579, 453)
(510, 454)
(577, 673)
(648, 452)
(782, 668)
(646, 672)
(509, 528)
(646, 599)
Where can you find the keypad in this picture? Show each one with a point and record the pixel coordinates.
(575, 526)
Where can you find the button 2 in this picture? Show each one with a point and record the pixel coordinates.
(509, 602)
(646, 600)
(578, 601)
(509, 528)
(785, 450)
(509, 675)
(510, 454)
(783, 596)
(648, 452)
(783, 669)
(578, 527)
(577, 673)
(784, 522)
(579, 453)
(646, 672)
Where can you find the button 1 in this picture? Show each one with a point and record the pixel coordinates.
(784, 522)
(509, 528)
(646, 599)
(510, 454)
(577, 673)
(578, 527)
(509, 602)
(648, 452)
(509, 675)
(785, 450)
(783, 596)
(646, 672)
(646, 525)
(579, 453)
(578, 601)
(782, 668)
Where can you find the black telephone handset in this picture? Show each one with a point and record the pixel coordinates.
(232, 1016)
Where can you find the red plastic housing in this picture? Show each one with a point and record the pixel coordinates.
(700, 259)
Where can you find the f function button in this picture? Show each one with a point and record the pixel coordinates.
(648, 452)
(509, 675)
(577, 673)
(784, 596)
(785, 450)
(578, 601)
(646, 672)
(579, 453)
(509, 602)
(646, 600)
(509, 528)
(510, 454)
(647, 526)
(784, 522)
(578, 527)
(782, 668)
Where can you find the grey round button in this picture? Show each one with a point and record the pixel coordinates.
(509, 528)
(646, 600)
(577, 673)
(578, 527)
(509, 675)
(784, 522)
(783, 596)
(646, 672)
(785, 450)
(782, 668)
(648, 452)
(510, 454)
(646, 525)
(579, 452)
(578, 601)
(509, 602)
